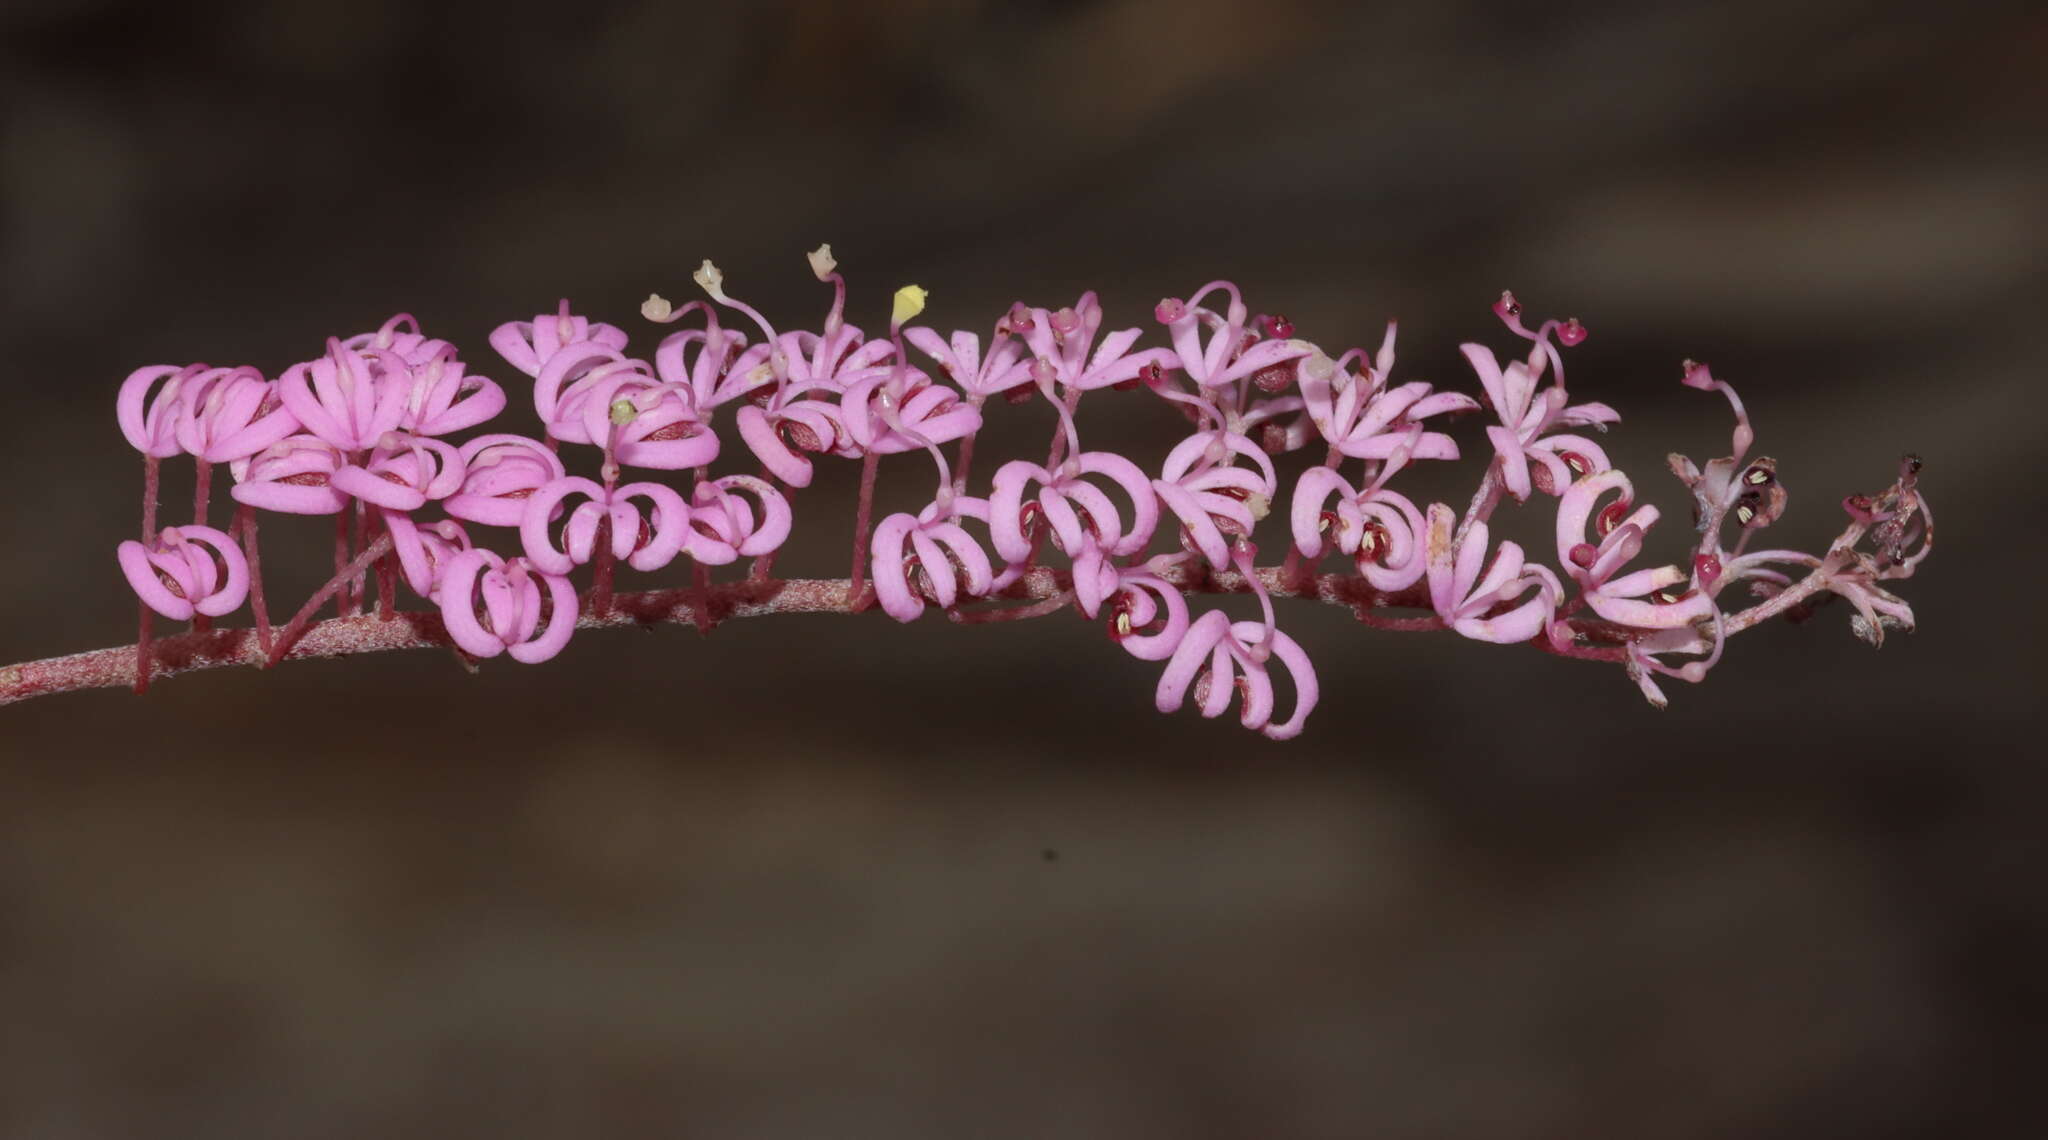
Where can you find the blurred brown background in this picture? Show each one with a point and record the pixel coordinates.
(839, 877)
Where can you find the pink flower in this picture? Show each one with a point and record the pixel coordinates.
(788, 429)
(1363, 418)
(1004, 368)
(886, 415)
(1074, 508)
(500, 472)
(1463, 598)
(150, 422)
(646, 539)
(528, 346)
(1231, 353)
(1063, 337)
(294, 476)
(1645, 599)
(1147, 616)
(943, 564)
(404, 473)
(348, 398)
(703, 360)
(425, 551)
(648, 423)
(401, 337)
(1215, 500)
(1527, 416)
(440, 398)
(237, 415)
(725, 527)
(1378, 528)
(1236, 660)
(187, 570)
(493, 605)
(565, 382)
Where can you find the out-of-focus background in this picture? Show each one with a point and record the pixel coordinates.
(827, 876)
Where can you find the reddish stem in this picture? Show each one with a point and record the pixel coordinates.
(601, 568)
(700, 595)
(150, 482)
(246, 521)
(857, 579)
(358, 586)
(142, 656)
(202, 488)
(340, 560)
(334, 585)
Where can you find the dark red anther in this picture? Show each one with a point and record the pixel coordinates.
(1373, 543)
(1571, 332)
(1169, 310)
(799, 436)
(1274, 377)
(681, 429)
(1277, 326)
(1273, 438)
(1577, 464)
(1021, 394)
(1152, 375)
(1584, 555)
(1507, 306)
(1707, 568)
(1610, 517)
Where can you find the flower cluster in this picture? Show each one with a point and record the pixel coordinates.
(360, 433)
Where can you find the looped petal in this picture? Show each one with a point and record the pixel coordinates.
(708, 371)
(404, 474)
(425, 551)
(646, 537)
(236, 414)
(665, 431)
(725, 527)
(780, 436)
(185, 571)
(1463, 598)
(500, 472)
(1305, 512)
(150, 421)
(348, 398)
(566, 379)
(491, 605)
(292, 476)
(929, 413)
(530, 345)
(1234, 652)
(443, 399)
